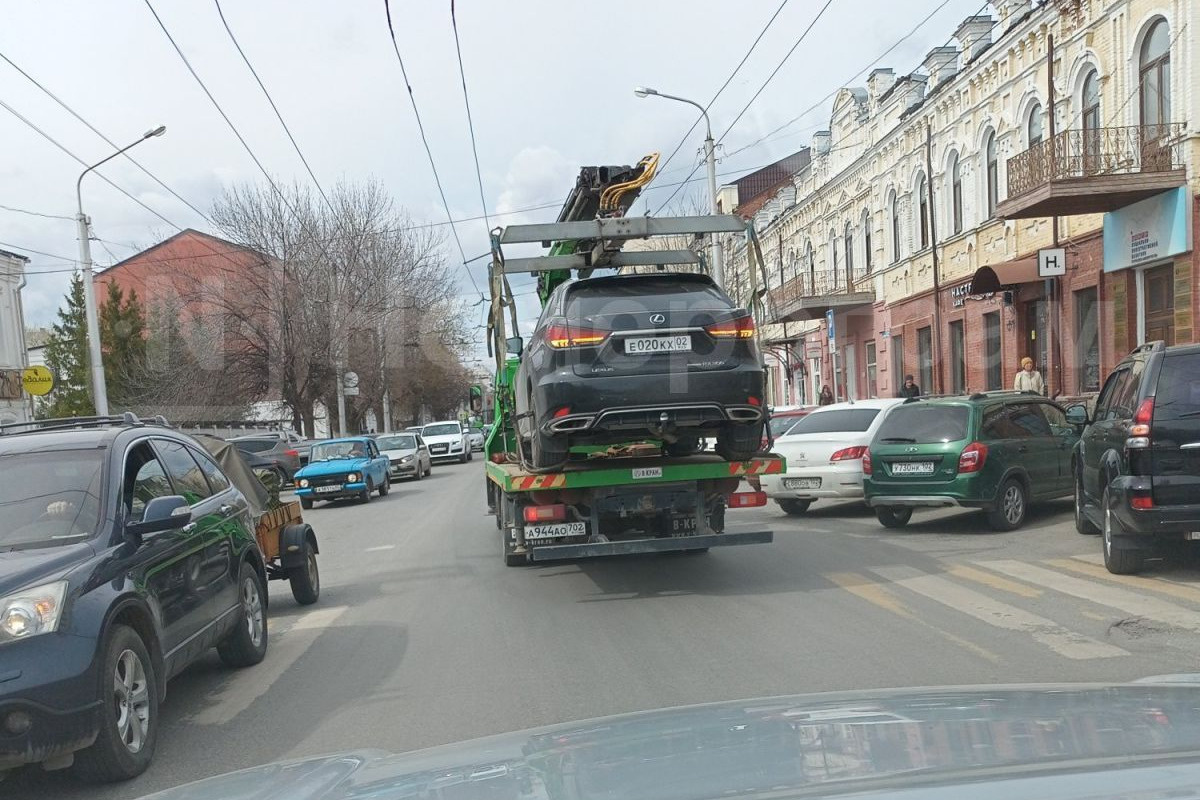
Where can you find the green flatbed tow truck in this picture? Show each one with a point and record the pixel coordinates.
(623, 499)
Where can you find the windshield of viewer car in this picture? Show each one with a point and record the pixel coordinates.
(49, 499)
(397, 442)
(331, 450)
(842, 420)
(443, 429)
(922, 424)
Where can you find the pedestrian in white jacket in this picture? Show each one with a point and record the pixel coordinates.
(1029, 379)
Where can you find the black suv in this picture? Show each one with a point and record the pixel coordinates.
(125, 554)
(664, 355)
(1137, 465)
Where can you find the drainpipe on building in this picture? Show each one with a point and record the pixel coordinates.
(1054, 286)
(937, 280)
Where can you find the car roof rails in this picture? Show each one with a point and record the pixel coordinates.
(1002, 393)
(125, 419)
(1149, 347)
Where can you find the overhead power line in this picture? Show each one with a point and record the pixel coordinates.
(425, 141)
(470, 121)
(36, 213)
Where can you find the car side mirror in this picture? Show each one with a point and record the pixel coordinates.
(162, 514)
(1077, 414)
(515, 345)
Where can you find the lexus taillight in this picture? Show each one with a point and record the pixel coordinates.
(561, 337)
(972, 457)
(740, 328)
(866, 462)
(848, 454)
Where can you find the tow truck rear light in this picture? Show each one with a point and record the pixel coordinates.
(747, 499)
(1139, 431)
(866, 461)
(848, 453)
(556, 512)
(740, 328)
(561, 337)
(972, 457)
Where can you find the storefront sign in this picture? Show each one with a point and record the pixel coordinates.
(812, 349)
(961, 293)
(1148, 231)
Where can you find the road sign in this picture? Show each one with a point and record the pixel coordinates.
(829, 324)
(37, 380)
(350, 384)
(1052, 262)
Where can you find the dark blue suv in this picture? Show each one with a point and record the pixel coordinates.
(125, 554)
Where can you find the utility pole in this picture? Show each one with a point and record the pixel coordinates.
(937, 279)
(1053, 285)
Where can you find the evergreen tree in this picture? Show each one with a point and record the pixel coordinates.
(67, 357)
(123, 338)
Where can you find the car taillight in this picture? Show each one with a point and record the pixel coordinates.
(561, 337)
(848, 454)
(556, 512)
(972, 457)
(866, 461)
(747, 499)
(293, 453)
(1139, 432)
(1141, 500)
(562, 412)
(740, 328)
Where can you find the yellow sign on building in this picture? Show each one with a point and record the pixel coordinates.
(37, 380)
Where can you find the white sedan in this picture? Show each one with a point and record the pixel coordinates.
(824, 452)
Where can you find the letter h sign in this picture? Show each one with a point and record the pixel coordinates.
(1052, 262)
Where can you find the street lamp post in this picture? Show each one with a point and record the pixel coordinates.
(710, 156)
(99, 387)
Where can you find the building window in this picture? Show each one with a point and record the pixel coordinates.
(1090, 98)
(866, 228)
(812, 269)
(958, 358)
(992, 171)
(848, 242)
(833, 260)
(925, 359)
(1160, 304)
(894, 213)
(956, 196)
(922, 212)
(1087, 341)
(993, 367)
(869, 358)
(1155, 78)
(897, 347)
(1035, 131)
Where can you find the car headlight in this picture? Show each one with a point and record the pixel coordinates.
(406, 460)
(352, 477)
(32, 611)
(304, 483)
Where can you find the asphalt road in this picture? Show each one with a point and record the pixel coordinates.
(423, 637)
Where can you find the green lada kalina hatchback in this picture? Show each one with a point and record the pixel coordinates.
(997, 451)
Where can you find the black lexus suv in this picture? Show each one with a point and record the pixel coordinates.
(661, 355)
(1137, 465)
(125, 554)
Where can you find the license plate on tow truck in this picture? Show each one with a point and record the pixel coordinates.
(554, 531)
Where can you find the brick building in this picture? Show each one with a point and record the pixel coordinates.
(919, 220)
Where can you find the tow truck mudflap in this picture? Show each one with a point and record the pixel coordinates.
(667, 544)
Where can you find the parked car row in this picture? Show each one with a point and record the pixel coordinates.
(1132, 464)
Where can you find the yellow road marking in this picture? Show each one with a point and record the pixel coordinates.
(1153, 584)
(994, 581)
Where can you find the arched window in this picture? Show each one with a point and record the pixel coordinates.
(956, 195)
(1090, 105)
(894, 214)
(992, 171)
(1154, 78)
(866, 229)
(810, 260)
(1034, 129)
(833, 259)
(848, 244)
(922, 220)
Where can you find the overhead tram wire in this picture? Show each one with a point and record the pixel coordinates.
(106, 139)
(428, 152)
(35, 213)
(761, 88)
(470, 121)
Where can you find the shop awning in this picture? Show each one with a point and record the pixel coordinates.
(996, 277)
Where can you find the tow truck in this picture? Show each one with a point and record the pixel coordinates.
(628, 498)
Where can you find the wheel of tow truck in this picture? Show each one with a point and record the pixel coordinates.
(893, 516)
(739, 441)
(385, 487)
(306, 580)
(306, 503)
(683, 446)
(794, 508)
(365, 495)
(548, 451)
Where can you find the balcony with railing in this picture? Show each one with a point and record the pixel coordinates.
(1094, 170)
(810, 294)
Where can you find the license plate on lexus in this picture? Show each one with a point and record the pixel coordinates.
(326, 489)
(658, 344)
(555, 530)
(912, 468)
(802, 483)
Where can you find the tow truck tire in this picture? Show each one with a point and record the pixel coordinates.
(739, 441)
(306, 503)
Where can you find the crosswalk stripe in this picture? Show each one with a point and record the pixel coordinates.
(993, 581)
(1130, 602)
(1090, 558)
(1153, 584)
(865, 588)
(1001, 615)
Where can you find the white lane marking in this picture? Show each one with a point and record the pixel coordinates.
(1130, 602)
(379, 548)
(245, 687)
(1065, 642)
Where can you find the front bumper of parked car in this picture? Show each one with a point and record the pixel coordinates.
(398, 469)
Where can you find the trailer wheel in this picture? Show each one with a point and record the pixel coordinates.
(305, 579)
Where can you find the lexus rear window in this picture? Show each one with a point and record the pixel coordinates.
(642, 296)
(255, 445)
(924, 424)
(1178, 395)
(842, 420)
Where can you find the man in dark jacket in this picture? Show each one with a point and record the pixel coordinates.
(909, 389)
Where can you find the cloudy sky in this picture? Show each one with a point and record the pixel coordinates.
(550, 86)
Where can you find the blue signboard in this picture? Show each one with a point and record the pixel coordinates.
(829, 323)
(1148, 230)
